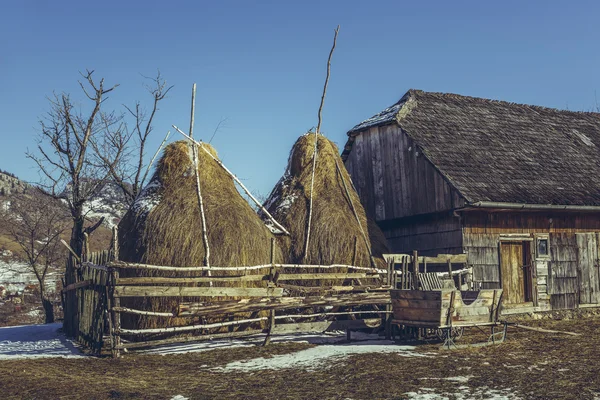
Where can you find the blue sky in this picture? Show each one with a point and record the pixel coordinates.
(261, 64)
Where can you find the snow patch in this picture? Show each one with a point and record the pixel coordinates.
(15, 276)
(384, 116)
(319, 357)
(35, 341)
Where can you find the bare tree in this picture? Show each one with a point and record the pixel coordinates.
(35, 222)
(68, 147)
(130, 171)
(67, 155)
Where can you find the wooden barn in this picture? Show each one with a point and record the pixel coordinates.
(514, 186)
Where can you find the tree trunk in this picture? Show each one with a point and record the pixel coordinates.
(76, 241)
(47, 304)
(70, 300)
(48, 310)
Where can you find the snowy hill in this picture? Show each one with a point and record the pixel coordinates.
(108, 202)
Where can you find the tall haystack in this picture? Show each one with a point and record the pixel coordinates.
(334, 226)
(164, 227)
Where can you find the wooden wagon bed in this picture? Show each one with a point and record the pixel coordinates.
(448, 310)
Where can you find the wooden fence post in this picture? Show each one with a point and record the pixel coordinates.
(388, 308)
(415, 270)
(115, 301)
(272, 283)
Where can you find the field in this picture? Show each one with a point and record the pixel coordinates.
(528, 365)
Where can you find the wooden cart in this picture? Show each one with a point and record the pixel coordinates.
(449, 311)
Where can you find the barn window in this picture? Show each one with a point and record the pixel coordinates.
(542, 247)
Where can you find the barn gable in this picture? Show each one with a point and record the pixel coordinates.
(496, 151)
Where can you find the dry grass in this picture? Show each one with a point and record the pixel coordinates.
(334, 227)
(530, 365)
(171, 233)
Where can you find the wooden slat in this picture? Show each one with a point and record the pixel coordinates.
(170, 291)
(282, 303)
(199, 279)
(323, 326)
(121, 264)
(317, 276)
(313, 289)
(188, 339)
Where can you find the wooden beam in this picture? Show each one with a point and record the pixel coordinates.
(312, 289)
(78, 285)
(187, 339)
(244, 278)
(121, 264)
(141, 312)
(282, 303)
(176, 291)
(324, 326)
(199, 279)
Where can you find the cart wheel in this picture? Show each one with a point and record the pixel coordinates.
(455, 333)
(441, 333)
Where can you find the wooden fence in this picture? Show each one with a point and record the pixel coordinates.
(235, 301)
(285, 298)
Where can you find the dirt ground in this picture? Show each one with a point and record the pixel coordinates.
(527, 365)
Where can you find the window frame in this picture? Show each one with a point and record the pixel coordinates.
(538, 239)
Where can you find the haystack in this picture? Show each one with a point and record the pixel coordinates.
(163, 227)
(334, 227)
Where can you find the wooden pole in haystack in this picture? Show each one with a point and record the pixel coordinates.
(198, 187)
(317, 131)
(236, 180)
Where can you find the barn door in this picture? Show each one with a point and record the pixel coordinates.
(515, 268)
(587, 268)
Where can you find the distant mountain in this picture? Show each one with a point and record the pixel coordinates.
(9, 184)
(108, 201)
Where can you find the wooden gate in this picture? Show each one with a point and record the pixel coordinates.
(587, 268)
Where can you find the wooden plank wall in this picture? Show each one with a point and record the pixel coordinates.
(393, 178)
(482, 253)
(556, 276)
(429, 236)
(563, 286)
(587, 271)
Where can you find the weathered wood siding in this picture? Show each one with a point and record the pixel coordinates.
(588, 263)
(530, 222)
(482, 255)
(562, 273)
(394, 179)
(429, 235)
(556, 281)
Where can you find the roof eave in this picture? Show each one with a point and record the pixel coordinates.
(498, 205)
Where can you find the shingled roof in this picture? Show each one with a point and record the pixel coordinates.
(502, 152)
